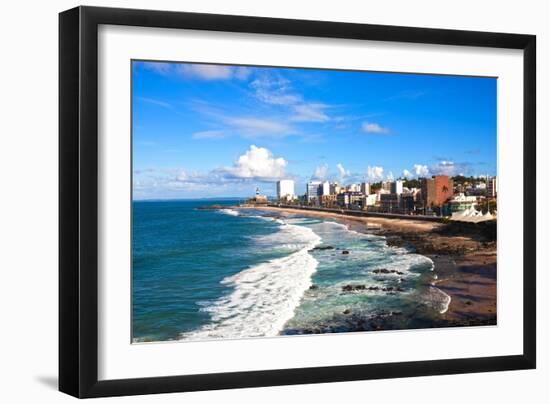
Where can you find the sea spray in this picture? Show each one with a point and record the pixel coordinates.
(265, 296)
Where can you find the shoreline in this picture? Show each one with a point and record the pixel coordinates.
(464, 262)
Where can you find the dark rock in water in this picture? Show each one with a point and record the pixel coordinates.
(345, 252)
(313, 287)
(211, 207)
(374, 288)
(347, 311)
(395, 313)
(400, 289)
(387, 271)
(351, 288)
(324, 247)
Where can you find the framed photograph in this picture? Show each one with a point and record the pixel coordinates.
(251, 201)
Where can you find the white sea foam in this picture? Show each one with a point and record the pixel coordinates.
(346, 228)
(230, 212)
(289, 236)
(265, 296)
(438, 299)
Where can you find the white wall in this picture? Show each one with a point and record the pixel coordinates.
(28, 199)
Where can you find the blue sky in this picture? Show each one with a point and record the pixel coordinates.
(213, 130)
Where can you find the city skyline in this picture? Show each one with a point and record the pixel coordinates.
(219, 131)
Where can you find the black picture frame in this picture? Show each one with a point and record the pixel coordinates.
(78, 201)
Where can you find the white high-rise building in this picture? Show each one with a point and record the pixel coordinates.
(313, 190)
(365, 188)
(397, 187)
(326, 188)
(285, 190)
(354, 188)
(492, 187)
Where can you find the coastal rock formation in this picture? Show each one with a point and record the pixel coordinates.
(387, 271)
(211, 207)
(321, 248)
(355, 288)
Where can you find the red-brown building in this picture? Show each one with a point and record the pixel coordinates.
(436, 190)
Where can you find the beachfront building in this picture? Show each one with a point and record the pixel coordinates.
(354, 188)
(329, 201)
(492, 187)
(325, 188)
(285, 190)
(258, 198)
(365, 188)
(379, 194)
(396, 187)
(408, 202)
(334, 188)
(386, 185)
(389, 202)
(313, 191)
(369, 200)
(436, 190)
(350, 199)
(459, 203)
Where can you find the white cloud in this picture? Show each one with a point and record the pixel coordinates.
(342, 172)
(310, 113)
(450, 168)
(257, 127)
(443, 167)
(241, 72)
(390, 176)
(407, 174)
(155, 102)
(158, 67)
(375, 174)
(274, 90)
(371, 127)
(321, 172)
(258, 163)
(421, 170)
(209, 134)
(212, 72)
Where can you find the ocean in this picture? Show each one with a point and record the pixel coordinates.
(202, 273)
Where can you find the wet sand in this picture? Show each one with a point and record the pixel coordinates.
(464, 261)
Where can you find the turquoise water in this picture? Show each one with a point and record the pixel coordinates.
(201, 274)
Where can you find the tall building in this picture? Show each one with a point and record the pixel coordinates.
(386, 186)
(347, 199)
(492, 187)
(389, 202)
(436, 190)
(285, 190)
(325, 188)
(313, 190)
(335, 188)
(397, 187)
(365, 188)
(369, 200)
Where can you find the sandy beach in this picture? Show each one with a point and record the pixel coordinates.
(464, 260)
